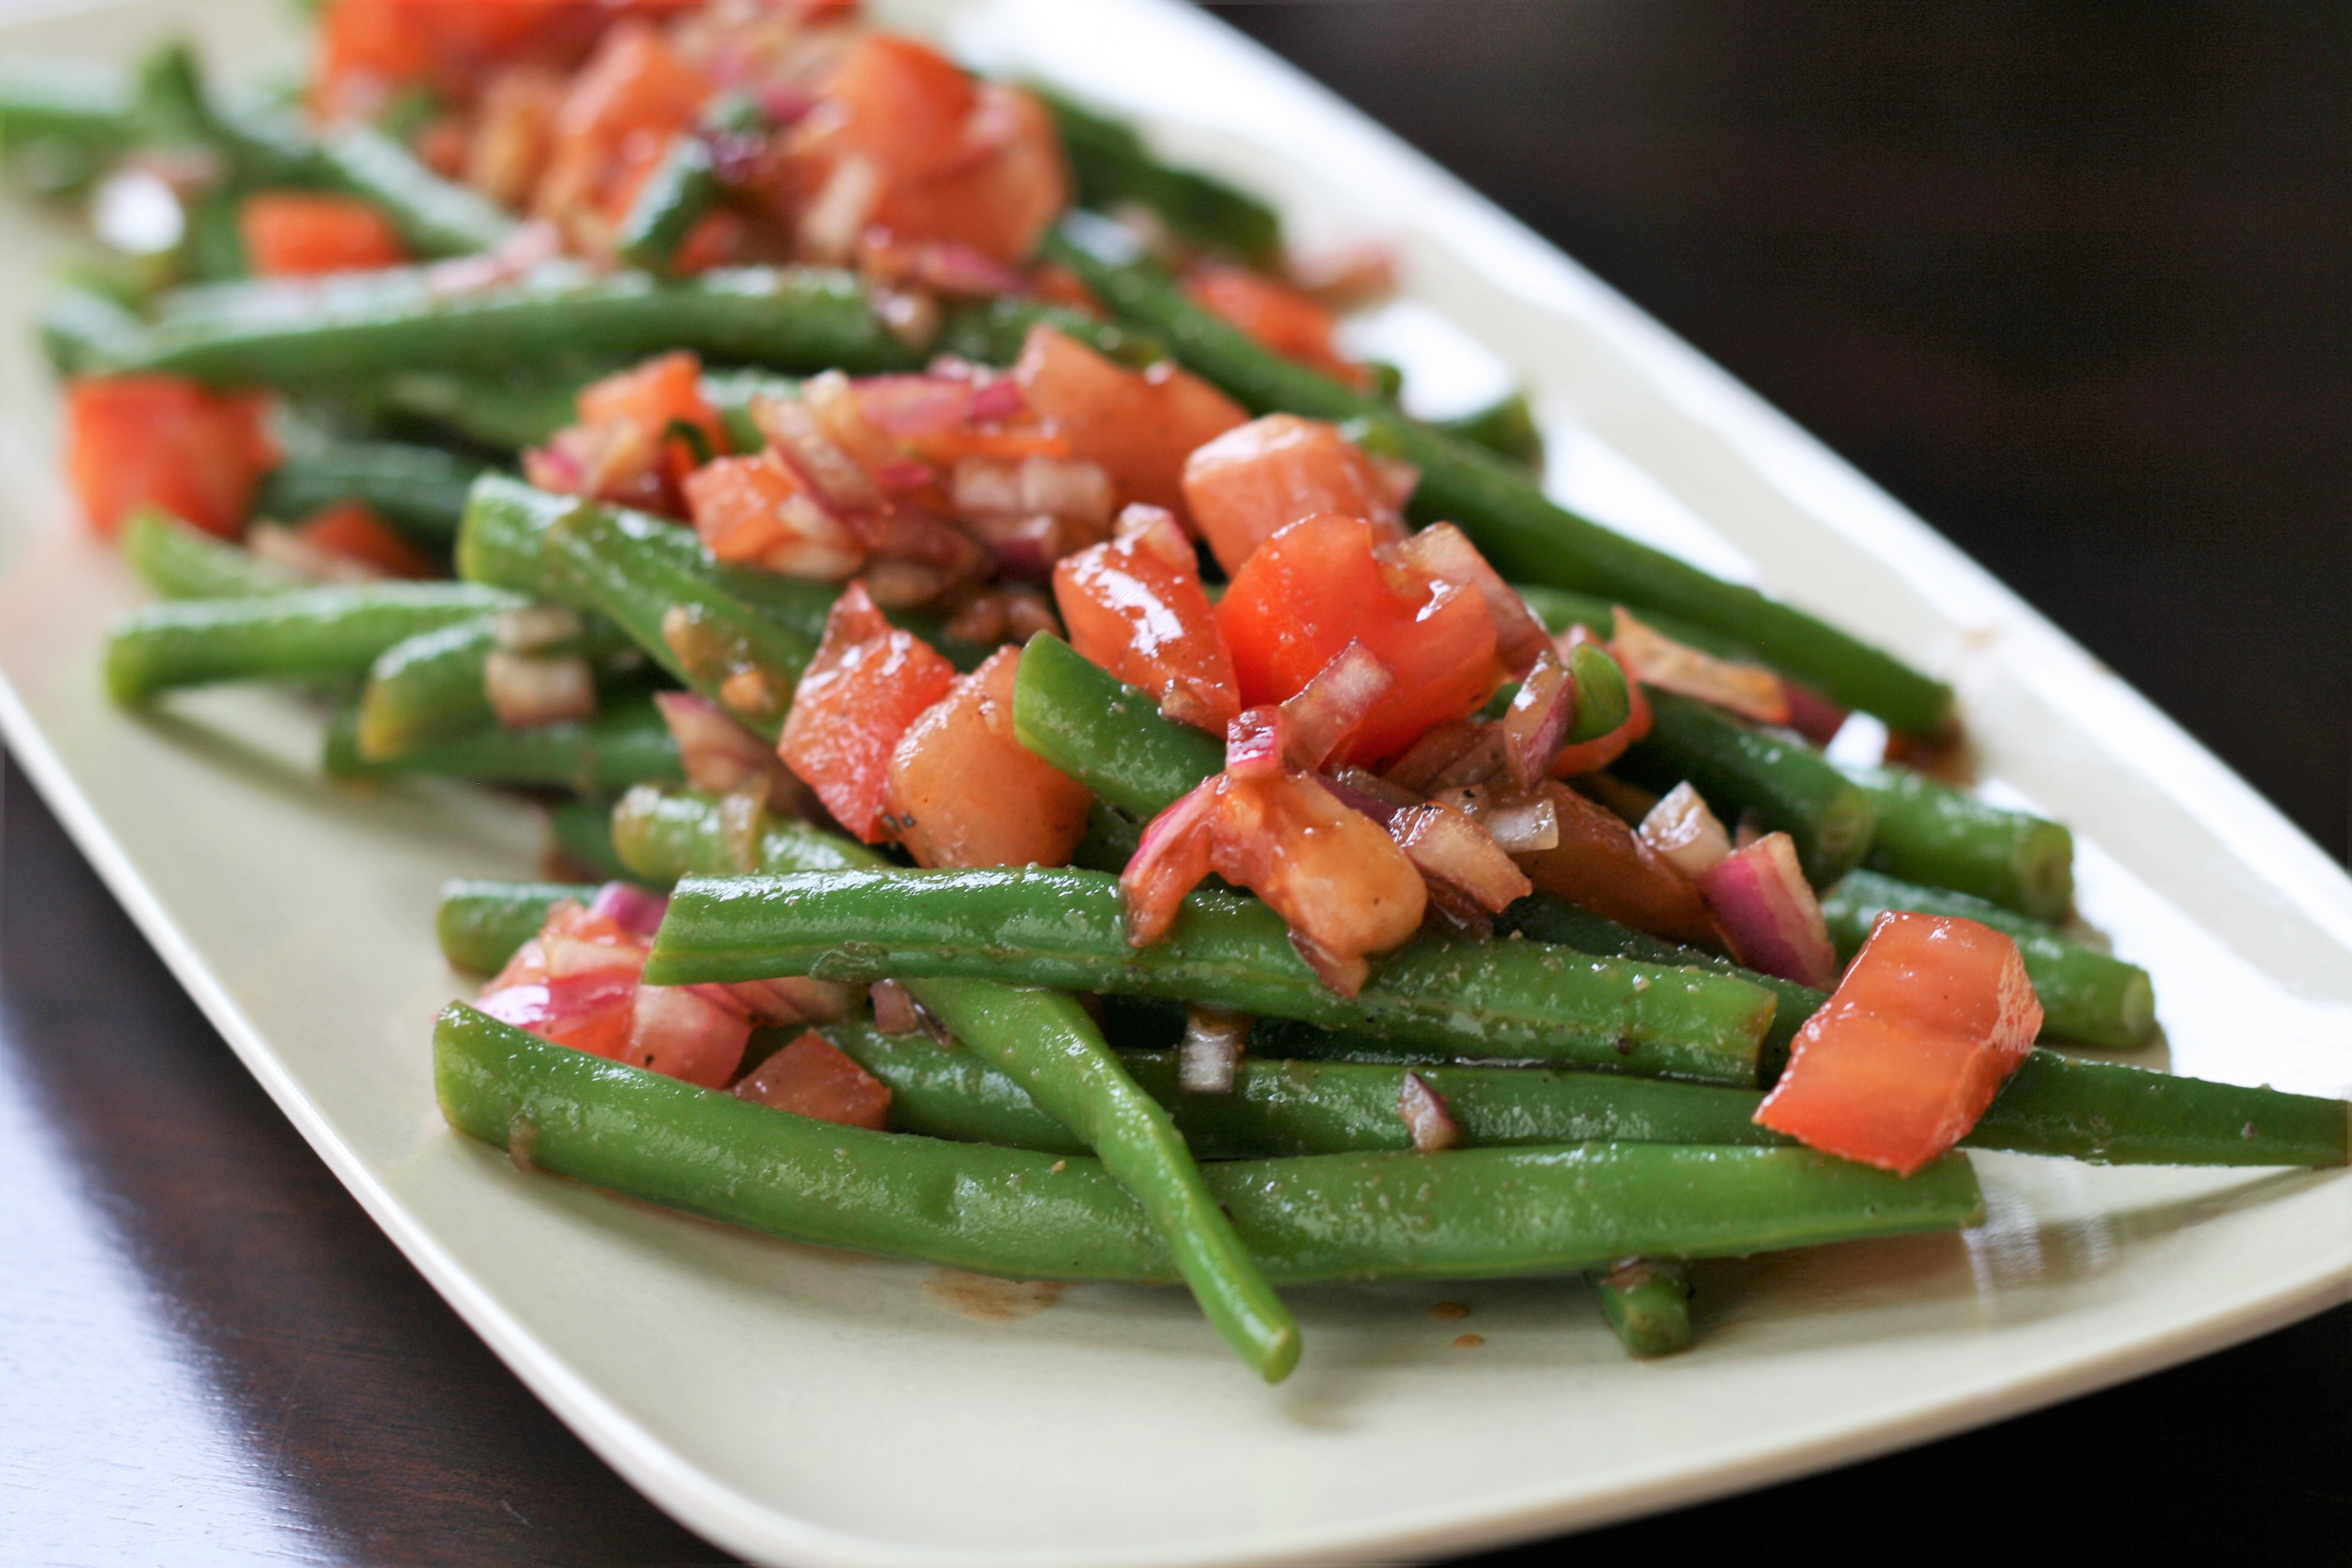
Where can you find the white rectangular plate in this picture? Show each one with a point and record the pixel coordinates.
(818, 1408)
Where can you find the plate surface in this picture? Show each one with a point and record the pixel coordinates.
(816, 1408)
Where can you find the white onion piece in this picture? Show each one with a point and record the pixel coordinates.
(894, 1008)
(527, 689)
(535, 628)
(1426, 1116)
(1537, 724)
(1212, 1050)
(1255, 739)
(831, 223)
(1682, 828)
(1523, 826)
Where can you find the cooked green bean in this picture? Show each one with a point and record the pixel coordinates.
(480, 923)
(1524, 534)
(1046, 1042)
(1065, 929)
(2086, 994)
(1789, 785)
(89, 106)
(992, 332)
(1112, 167)
(662, 835)
(181, 561)
(420, 489)
(683, 187)
(1505, 427)
(369, 324)
(1647, 1303)
(436, 687)
(1930, 832)
(1466, 1214)
(305, 634)
(84, 330)
(582, 832)
(435, 216)
(1105, 733)
(625, 744)
(505, 413)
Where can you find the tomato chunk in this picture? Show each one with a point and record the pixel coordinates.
(1138, 426)
(868, 682)
(1933, 1016)
(963, 792)
(811, 1077)
(1253, 481)
(1317, 585)
(756, 509)
(162, 440)
(1295, 325)
(1604, 866)
(350, 530)
(665, 388)
(295, 234)
(902, 105)
(1134, 606)
(615, 125)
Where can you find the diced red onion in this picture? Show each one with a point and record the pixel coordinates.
(777, 1002)
(959, 270)
(1445, 845)
(1682, 828)
(996, 401)
(818, 460)
(1760, 898)
(1025, 547)
(1811, 714)
(1169, 863)
(635, 909)
(1345, 974)
(1369, 793)
(786, 103)
(1439, 749)
(283, 546)
(1211, 1051)
(1655, 659)
(1330, 706)
(717, 753)
(1255, 741)
(903, 475)
(1426, 1116)
(1523, 826)
(894, 1008)
(1536, 725)
(912, 407)
(526, 689)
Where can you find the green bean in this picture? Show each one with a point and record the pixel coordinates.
(1647, 1303)
(1524, 534)
(1790, 786)
(1467, 1214)
(1280, 1106)
(1559, 609)
(83, 331)
(1105, 733)
(305, 634)
(480, 924)
(1046, 1042)
(420, 489)
(683, 187)
(2086, 994)
(504, 413)
(371, 324)
(1930, 832)
(435, 216)
(625, 744)
(181, 562)
(436, 687)
(1505, 427)
(1112, 167)
(661, 835)
(992, 332)
(83, 104)
(1064, 928)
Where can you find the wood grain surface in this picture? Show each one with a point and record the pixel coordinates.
(2067, 280)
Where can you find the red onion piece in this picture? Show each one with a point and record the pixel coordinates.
(1369, 794)
(1327, 708)
(1811, 714)
(635, 909)
(778, 1003)
(894, 1008)
(1652, 658)
(1537, 724)
(1254, 742)
(1446, 847)
(1682, 828)
(1760, 898)
(717, 753)
(911, 406)
(527, 689)
(956, 268)
(1169, 863)
(1211, 1051)
(1523, 826)
(1426, 1116)
(996, 401)
(1344, 972)
(829, 472)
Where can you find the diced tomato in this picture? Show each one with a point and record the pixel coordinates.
(165, 441)
(1135, 607)
(1141, 427)
(676, 1031)
(1331, 872)
(294, 234)
(902, 104)
(962, 791)
(1604, 866)
(1307, 591)
(811, 1077)
(1000, 195)
(1252, 483)
(350, 530)
(368, 49)
(1933, 1016)
(652, 395)
(756, 509)
(1295, 325)
(868, 682)
(615, 124)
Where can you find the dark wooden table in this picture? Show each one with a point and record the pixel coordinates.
(2069, 280)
